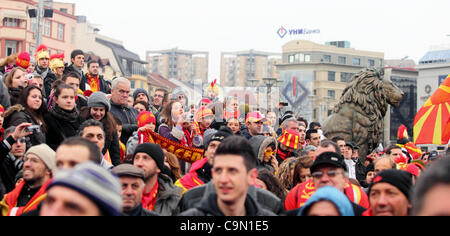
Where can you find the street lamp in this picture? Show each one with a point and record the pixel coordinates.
(254, 83)
(270, 82)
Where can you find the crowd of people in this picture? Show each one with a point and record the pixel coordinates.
(71, 145)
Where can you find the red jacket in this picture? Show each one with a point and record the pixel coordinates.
(302, 192)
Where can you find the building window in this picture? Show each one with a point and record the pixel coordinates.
(356, 61)
(331, 76)
(60, 31)
(72, 36)
(307, 58)
(133, 84)
(332, 94)
(291, 59)
(11, 22)
(346, 77)
(47, 28)
(327, 58)
(371, 63)
(342, 60)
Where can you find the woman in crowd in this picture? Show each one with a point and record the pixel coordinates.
(29, 109)
(98, 109)
(63, 120)
(172, 119)
(16, 81)
(266, 180)
(141, 106)
(302, 172)
(286, 173)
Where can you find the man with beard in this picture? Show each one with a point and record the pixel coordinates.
(132, 180)
(43, 69)
(160, 195)
(39, 163)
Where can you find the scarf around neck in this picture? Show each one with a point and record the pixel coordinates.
(43, 72)
(69, 116)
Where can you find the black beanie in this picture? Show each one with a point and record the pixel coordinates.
(400, 179)
(154, 151)
(223, 133)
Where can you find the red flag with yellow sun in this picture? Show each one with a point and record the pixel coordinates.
(432, 123)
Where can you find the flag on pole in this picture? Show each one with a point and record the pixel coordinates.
(432, 122)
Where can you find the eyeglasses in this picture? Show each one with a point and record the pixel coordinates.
(330, 173)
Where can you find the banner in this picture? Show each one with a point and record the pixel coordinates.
(183, 153)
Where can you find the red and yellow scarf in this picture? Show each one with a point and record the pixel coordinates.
(149, 200)
(94, 82)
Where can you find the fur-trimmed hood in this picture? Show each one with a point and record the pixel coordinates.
(14, 109)
(260, 143)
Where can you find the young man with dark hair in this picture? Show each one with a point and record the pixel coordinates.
(93, 80)
(315, 125)
(234, 171)
(313, 138)
(76, 150)
(73, 79)
(77, 58)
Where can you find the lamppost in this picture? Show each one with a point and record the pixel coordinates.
(40, 14)
(270, 82)
(254, 83)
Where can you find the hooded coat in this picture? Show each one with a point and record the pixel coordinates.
(17, 115)
(331, 194)
(259, 145)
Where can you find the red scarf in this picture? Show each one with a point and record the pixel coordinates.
(149, 200)
(123, 151)
(94, 82)
(11, 200)
(2, 130)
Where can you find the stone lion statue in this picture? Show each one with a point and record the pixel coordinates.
(359, 116)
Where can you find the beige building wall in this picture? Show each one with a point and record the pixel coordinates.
(59, 38)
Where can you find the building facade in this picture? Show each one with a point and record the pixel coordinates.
(184, 65)
(18, 29)
(315, 75)
(238, 68)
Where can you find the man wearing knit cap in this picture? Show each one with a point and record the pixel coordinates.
(39, 163)
(200, 172)
(389, 194)
(87, 190)
(160, 195)
(132, 181)
(141, 95)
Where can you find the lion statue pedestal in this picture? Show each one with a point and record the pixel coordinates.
(359, 115)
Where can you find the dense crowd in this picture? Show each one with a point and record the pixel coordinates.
(73, 143)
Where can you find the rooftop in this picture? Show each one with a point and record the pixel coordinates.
(432, 57)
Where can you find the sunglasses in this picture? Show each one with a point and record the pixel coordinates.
(330, 173)
(269, 153)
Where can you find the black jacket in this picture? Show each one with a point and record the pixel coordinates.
(266, 199)
(208, 207)
(4, 96)
(14, 95)
(140, 211)
(103, 87)
(114, 149)
(17, 115)
(49, 79)
(58, 129)
(9, 165)
(128, 116)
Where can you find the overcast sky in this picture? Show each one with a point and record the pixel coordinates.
(399, 28)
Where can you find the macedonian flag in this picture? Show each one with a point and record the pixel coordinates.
(432, 123)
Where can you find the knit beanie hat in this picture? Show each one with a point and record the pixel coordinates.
(146, 117)
(138, 91)
(220, 135)
(154, 151)
(207, 137)
(45, 153)
(96, 183)
(98, 99)
(400, 179)
(291, 139)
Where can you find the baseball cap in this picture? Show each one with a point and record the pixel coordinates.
(254, 117)
(331, 158)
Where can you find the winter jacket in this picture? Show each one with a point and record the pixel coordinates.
(59, 129)
(17, 115)
(72, 68)
(9, 164)
(4, 95)
(283, 155)
(259, 145)
(140, 211)
(266, 199)
(49, 78)
(199, 174)
(128, 116)
(103, 87)
(168, 196)
(113, 146)
(208, 207)
(14, 95)
(175, 134)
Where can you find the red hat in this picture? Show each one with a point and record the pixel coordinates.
(254, 117)
(402, 132)
(290, 138)
(204, 112)
(2, 109)
(206, 100)
(88, 93)
(412, 169)
(23, 60)
(145, 118)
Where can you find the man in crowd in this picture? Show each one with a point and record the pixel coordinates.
(389, 194)
(43, 69)
(39, 163)
(288, 144)
(93, 131)
(313, 137)
(234, 171)
(158, 100)
(93, 80)
(132, 181)
(394, 152)
(254, 123)
(384, 163)
(119, 107)
(77, 58)
(86, 190)
(341, 143)
(140, 95)
(11, 158)
(160, 195)
(77, 150)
